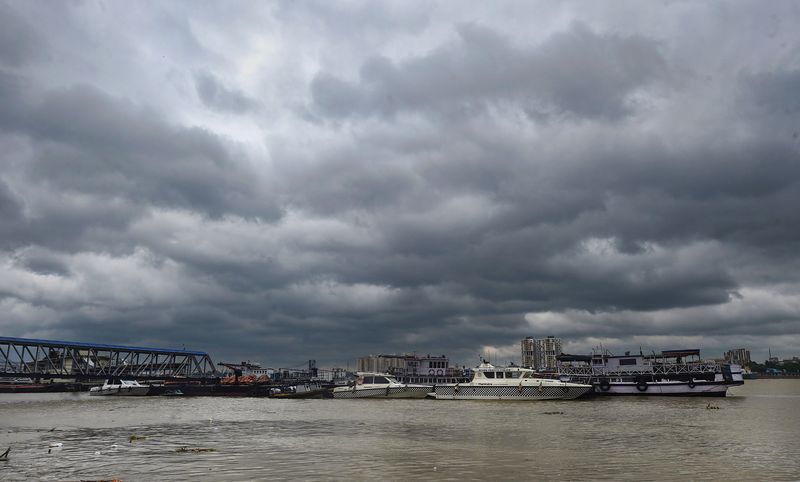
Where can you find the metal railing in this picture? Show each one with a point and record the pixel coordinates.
(656, 369)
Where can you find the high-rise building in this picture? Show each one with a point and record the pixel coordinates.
(739, 356)
(541, 353)
(527, 351)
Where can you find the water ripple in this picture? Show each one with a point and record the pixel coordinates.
(751, 437)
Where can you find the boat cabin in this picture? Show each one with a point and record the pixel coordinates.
(487, 370)
(365, 378)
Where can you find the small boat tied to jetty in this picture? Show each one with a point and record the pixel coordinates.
(671, 372)
(116, 386)
(509, 383)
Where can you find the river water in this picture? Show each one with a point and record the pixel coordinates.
(752, 436)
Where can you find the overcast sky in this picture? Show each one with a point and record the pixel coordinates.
(280, 181)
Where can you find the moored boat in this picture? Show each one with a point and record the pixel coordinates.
(509, 383)
(20, 385)
(671, 372)
(380, 385)
(122, 388)
(309, 389)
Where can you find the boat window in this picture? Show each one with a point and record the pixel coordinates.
(499, 375)
(380, 380)
(488, 374)
(512, 375)
(627, 361)
(367, 380)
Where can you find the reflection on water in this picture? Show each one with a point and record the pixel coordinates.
(752, 436)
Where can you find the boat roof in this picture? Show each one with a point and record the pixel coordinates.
(690, 352)
(485, 366)
(565, 357)
(574, 358)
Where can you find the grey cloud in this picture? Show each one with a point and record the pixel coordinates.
(10, 207)
(90, 142)
(19, 42)
(577, 72)
(450, 189)
(357, 23)
(776, 90)
(217, 96)
(42, 262)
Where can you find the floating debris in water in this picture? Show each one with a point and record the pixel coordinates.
(55, 445)
(194, 450)
(553, 413)
(4, 455)
(133, 438)
(711, 407)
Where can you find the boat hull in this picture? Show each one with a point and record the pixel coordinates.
(320, 393)
(388, 392)
(119, 392)
(664, 388)
(510, 392)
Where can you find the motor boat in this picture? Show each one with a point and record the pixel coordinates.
(119, 387)
(490, 382)
(380, 385)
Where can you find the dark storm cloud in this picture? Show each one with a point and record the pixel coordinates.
(577, 72)
(774, 91)
(93, 143)
(19, 42)
(217, 96)
(398, 178)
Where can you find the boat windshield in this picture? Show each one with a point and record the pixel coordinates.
(376, 380)
(503, 374)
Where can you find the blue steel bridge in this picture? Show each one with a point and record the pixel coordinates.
(48, 359)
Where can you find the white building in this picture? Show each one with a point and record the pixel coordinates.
(541, 353)
(739, 356)
(406, 365)
(381, 363)
(417, 365)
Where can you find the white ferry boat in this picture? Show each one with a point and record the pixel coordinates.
(671, 372)
(509, 383)
(380, 385)
(120, 388)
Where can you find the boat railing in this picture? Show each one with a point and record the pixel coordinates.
(659, 369)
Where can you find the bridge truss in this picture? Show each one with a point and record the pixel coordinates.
(25, 357)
